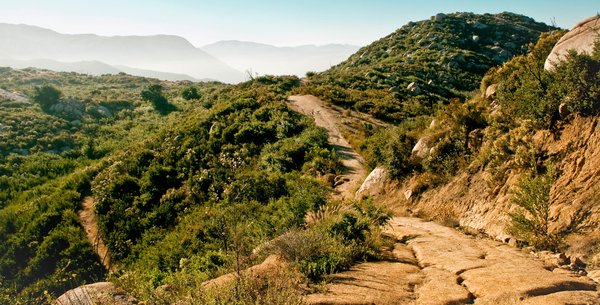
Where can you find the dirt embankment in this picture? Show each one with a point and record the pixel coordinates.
(575, 195)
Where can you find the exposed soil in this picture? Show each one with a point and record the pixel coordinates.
(434, 264)
(354, 170)
(87, 215)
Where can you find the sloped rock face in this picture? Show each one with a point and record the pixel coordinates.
(581, 39)
(102, 293)
(436, 265)
(272, 264)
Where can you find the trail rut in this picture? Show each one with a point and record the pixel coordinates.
(354, 170)
(87, 215)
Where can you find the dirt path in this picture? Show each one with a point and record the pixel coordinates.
(432, 264)
(354, 170)
(87, 216)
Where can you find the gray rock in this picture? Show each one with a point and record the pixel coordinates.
(479, 25)
(421, 150)
(439, 17)
(374, 183)
(103, 293)
(103, 111)
(581, 39)
(475, 38)
(14, 96)
(413, 88)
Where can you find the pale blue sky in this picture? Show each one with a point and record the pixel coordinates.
(278, 22)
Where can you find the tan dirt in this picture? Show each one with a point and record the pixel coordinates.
(434, 264)
(87, 215)
(331, 119)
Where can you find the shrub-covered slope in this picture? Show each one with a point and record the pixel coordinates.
(516, 161)
(444, 57)
(187, 178)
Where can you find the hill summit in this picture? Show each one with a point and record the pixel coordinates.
(407, 72)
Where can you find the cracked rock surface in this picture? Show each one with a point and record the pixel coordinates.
(439, 265)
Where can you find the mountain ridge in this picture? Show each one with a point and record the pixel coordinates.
(279, 60)
(165, 53)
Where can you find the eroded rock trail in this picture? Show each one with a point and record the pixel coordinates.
(432, 264)
(354, 170)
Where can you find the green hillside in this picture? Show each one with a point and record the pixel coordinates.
(444, 57)
(188, 179)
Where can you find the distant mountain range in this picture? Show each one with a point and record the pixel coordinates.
(267, 59)
(160, 56)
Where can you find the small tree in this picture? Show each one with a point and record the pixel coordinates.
(531, 222)
(190, 93)
(154, 95)
(47, 96)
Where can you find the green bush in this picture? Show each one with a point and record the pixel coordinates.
(532, 220)
(46, 96)
(190, 93)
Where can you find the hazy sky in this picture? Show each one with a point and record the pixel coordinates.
(278, 22)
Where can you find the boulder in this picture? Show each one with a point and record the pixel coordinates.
(103, 111)
(563, 110)
(421, 150)
(413, 88)
(439, 17)
(580, 38)
(490, 91)
(374, 183)
(102, 293)
(475, 38)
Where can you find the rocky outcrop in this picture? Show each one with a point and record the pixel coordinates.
(479, 205)
(68, 108)
(581, 38)
(432, 264)
(102, 293)
(14, 96)
(374, 183)
(272, 264)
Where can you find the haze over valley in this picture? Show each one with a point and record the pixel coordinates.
(164, 57)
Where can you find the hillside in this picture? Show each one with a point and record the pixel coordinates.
(162, 53)
(515, 162)
(267, 59)
(441, 59)
(175, 192)
(186, 193)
